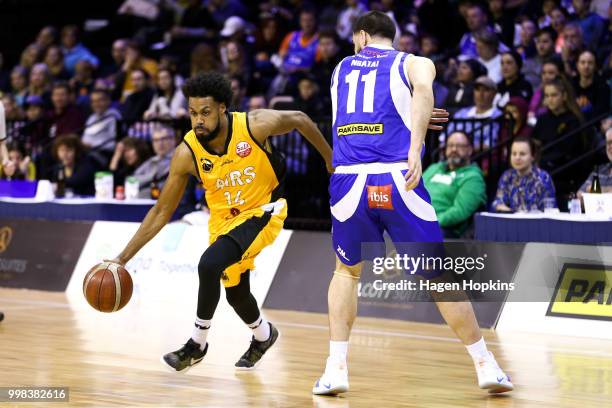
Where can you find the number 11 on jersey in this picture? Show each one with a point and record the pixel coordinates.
(369, 80)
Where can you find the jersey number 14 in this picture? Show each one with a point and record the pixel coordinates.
(369, 80)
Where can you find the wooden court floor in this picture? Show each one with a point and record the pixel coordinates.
(113, 360)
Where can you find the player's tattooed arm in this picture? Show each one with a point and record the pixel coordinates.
(180, 168)
(264, 123)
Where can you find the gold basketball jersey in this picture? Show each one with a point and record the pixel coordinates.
(242, 179)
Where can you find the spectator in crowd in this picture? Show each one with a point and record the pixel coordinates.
(352, 10)
(30, 56)
(524, 187)
(73, 50)
(482, 136)
(429, 47)
(516, 111)
(65, 117)
(40, 83)
(234, 29)
(257, 102)
(109, 70)
(592, 92)
(139, 100)
(572, 46)
(526, 47)
(19, 84)
(563, 117)
(477, 22)
(551, 69)
(545, 47)
(54, 59)
(83, 81)
(558, 19)
(456, 186)
(169, 101)
(19, 166)
(154, 171)
(487, 45)
(309, 100)
(129, 154)
(267, 39)
(461, 93)
(604, 171)
(329, 57)
(591, 24)
(204, 58)
(238, 101)
(12, 111)
(235, 62)
(503, 22)
(47, 37)
(73, 165)
(513, 82)
(134, 61)
(36, 131)
(101, 126)
(408, 43)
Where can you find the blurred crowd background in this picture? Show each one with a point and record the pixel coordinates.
(96, 86)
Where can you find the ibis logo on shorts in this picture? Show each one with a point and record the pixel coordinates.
(243, 149)
(584, 292)
(6, 233)
(380, 197)
(361, 128)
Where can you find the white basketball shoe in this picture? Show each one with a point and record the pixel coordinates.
(334, 380)
(491, 377)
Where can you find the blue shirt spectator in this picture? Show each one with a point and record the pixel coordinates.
(74, 51)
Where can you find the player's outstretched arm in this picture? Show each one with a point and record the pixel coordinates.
(267, 122)
(421, 73)
(162, 211)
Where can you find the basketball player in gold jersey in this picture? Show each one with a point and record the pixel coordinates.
(229, 152)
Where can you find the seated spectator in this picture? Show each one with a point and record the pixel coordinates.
(558, 20)
(482, 136)
(344, 25)
(513, 82)
(408, 43)
(526, 47)
(257, 102)
(169, 101)
(101, 126)
(204, 58)
(236, 62)
(591, 24)
(516, 111)
(65, 117)
(267, 39)
(430, 47)
(12, 111)
(54, 59)
(461, 93)
(109, 70)
(74, 164)
(154, 171)
(73, 50)
(238, 101)
(545, 50)
(456, 186)
(19, 166)
(309, 99)
(134, 60)
(40, 83)
(604, 171)
(129, 154)
(31, 55)
(82, 82)
(329, 57)
(488, 55)
(47, 37)
(551, 69)
(524, 187)
(19, 85)
(36, 131)
(573, 44)
(139, 100)
(477, 22)
(592, 92)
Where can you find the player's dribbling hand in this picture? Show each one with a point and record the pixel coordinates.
(437, 116)
(413, 175)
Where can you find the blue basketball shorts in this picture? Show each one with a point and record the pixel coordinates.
(367, 200)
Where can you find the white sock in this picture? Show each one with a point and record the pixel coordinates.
(338, 350)
(478, 350)
(200, 332)
(261, 329)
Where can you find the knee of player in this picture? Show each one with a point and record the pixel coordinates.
(208, 268)
(348, 271)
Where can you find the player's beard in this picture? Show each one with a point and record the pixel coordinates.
(213, 133)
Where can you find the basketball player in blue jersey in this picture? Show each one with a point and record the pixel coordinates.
(382, 101)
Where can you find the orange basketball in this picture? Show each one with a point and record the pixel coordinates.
(107, 287)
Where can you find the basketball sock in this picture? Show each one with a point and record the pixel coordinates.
(338, 350)
(200, 332)
(261, 329)
(478, 350)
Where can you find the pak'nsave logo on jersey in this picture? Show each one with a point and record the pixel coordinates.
(584, 292)
(361, 128)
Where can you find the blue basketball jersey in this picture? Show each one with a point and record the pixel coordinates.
(371, 98)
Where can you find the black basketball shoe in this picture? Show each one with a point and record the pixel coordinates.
(185, 357)
(257, 349)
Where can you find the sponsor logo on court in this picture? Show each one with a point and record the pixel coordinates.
(380, 197)
(243, 149)
(584, 292)
(361, 128)
(6, 233)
